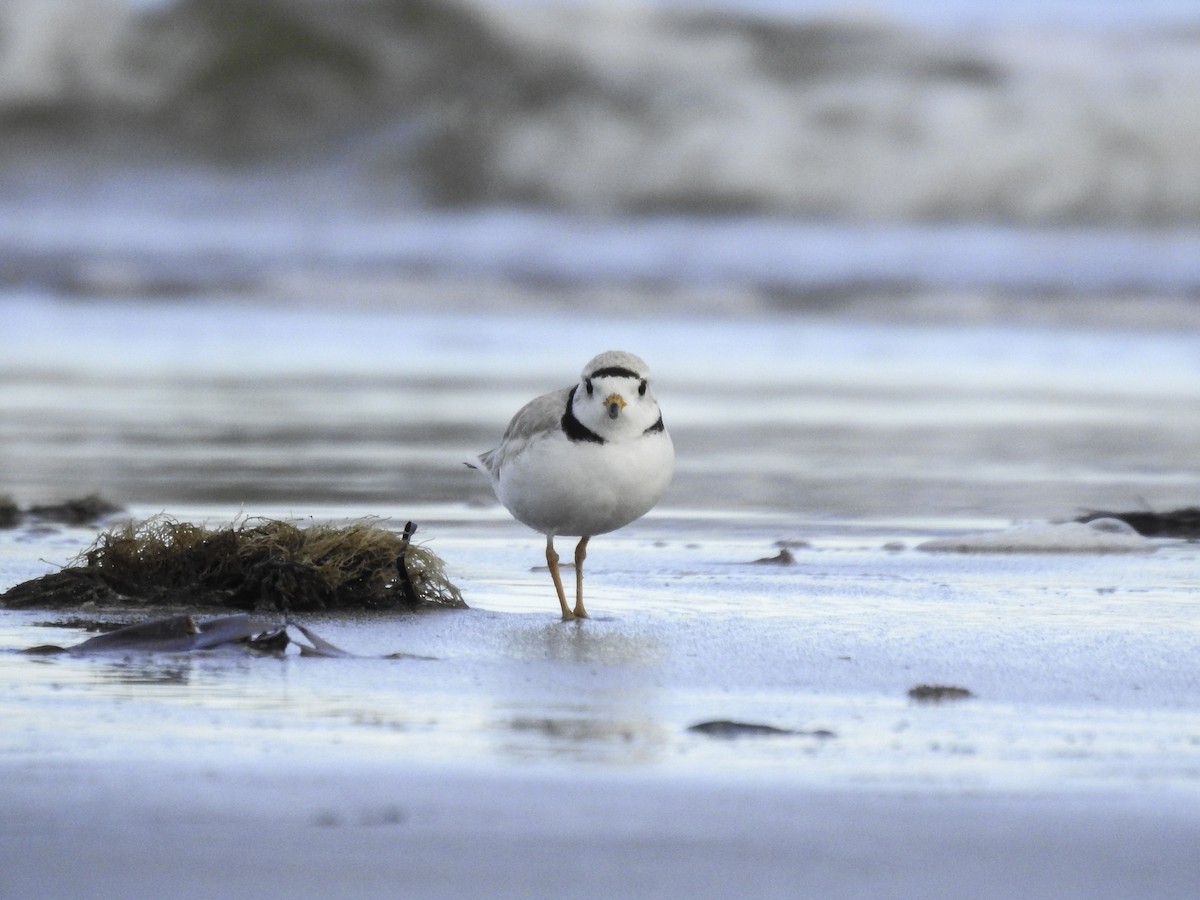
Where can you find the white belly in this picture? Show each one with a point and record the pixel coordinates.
(578, 488)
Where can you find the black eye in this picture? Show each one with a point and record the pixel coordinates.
(587, 383)
(642, 388)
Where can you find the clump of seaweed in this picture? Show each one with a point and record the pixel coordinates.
(260, 564)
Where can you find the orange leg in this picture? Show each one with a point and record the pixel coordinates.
(580, 556)
(552, 562)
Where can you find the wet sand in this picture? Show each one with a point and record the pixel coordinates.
(389, 829)
(530, 757)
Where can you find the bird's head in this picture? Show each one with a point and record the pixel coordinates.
(614, 398)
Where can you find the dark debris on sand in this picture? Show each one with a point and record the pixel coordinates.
(185, 634)
(936, 693)
(783, 558)
(10, 513)
(727, 728)
(81, 511)
(1179, 523)
(263, 565)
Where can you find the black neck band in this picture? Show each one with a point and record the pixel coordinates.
(574, 429)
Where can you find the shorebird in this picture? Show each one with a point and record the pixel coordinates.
(584, 460)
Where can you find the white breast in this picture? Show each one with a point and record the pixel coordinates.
(560, 487)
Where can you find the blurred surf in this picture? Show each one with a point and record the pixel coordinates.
(624, 109)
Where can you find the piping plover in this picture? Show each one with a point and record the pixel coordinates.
(584, 460)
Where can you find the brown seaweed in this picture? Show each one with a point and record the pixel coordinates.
(262, 565)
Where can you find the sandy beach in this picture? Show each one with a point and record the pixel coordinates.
(516, 755)
(508, 753)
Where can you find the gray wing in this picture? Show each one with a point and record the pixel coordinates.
(537, 418)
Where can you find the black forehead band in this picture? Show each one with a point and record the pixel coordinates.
(615, 372)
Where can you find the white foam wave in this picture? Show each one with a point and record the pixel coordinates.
(863, 120)
(1097, 536)
(613, 108)
(62, 53)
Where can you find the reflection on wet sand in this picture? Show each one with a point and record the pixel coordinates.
(624, 733)
(612, 720)
(146, 671)
(590, 642)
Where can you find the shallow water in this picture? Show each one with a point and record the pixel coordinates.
(249, 405)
